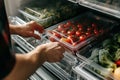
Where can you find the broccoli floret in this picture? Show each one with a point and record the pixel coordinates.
(104, 59)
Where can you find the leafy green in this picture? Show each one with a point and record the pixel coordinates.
(117, 55)
(104, 59)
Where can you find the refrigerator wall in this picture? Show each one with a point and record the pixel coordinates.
(13, 6)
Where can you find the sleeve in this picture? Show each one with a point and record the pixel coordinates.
(7, 59)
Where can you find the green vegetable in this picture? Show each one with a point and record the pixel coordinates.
(117, 55)
(117, 37)
(111, 46)
(104, 59)
(106, 42)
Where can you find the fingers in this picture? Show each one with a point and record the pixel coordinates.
(37, 27)
(31, 34)
(54, 51)
(60, 47)
(59, 53)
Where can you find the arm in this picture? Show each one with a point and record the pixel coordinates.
(26, 64)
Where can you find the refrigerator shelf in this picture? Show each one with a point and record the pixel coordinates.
(110, 7)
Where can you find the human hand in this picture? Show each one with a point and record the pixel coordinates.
(27, 30)
(51, 52)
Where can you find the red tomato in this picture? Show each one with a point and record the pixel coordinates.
(117, 62)
(74, 28)
(69, 23)
(68, 40)
(64, 31)
(71, 32)
(73, 38)
(60, 27)
(82, 37)
(66, 26)
(79, 26)
(88, 34)
(78, 33)
(52, 39)
(57, 35)
(89, 29)
(96, 32)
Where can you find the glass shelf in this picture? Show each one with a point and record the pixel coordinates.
(110, 7)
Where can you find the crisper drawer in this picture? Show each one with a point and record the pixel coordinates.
(48, 15)
(106, 54)
(91, 71)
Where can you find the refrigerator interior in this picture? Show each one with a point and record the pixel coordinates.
(76, 64)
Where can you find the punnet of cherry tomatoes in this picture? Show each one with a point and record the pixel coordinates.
(75, 33)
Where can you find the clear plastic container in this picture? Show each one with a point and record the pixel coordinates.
(104, 54)
(80, 31)
(49, 14)
(45, 22)
(91, 71)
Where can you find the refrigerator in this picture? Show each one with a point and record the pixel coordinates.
(88, 29)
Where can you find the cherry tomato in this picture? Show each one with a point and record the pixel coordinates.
(73, 38)
(78, 33)
(117, 62)
(88, 34)
(89, 29)
(69, 23)
(52, 39)
(96, 32)
(74, 28)
(57, 35)
(82, 37)
(71, 32)
(66, 26)
(64, 31)
(79, 26)
(66, 40)
(60, 27)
